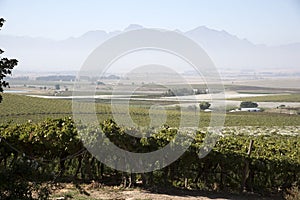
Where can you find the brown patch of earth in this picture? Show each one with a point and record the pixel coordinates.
(93, 192)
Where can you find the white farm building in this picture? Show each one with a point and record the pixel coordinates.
(251, 109)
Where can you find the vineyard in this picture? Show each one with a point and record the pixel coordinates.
(40, 145)
(53, 149)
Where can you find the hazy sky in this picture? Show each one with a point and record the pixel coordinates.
(261, 21)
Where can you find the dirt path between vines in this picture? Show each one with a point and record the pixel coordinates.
(90, 192)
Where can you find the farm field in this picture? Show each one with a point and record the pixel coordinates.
(20, 109)
(277, 84)
(271, 98)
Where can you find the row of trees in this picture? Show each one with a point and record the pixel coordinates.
(245, 104)
(184, 92)
(248, 104)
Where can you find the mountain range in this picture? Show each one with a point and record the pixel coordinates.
(226, 50)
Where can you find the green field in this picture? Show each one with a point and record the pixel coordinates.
(20, 108)
(260, 89)
(272, 98)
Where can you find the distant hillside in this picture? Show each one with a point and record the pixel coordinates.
(225, 49)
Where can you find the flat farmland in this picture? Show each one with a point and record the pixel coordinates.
(19, 108)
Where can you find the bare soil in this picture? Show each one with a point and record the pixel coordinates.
(97, 191)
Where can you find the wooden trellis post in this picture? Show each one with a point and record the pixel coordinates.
(246, 169)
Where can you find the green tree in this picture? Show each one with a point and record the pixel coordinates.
(248, 104)
(204, 105)
(169, 93)
(6, 66)
(57, 87)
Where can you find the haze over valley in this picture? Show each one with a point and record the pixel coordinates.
(227, 51)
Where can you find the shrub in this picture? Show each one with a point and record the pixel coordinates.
(204, 105)
(248, 104)
(293, 193)
(16, 182)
